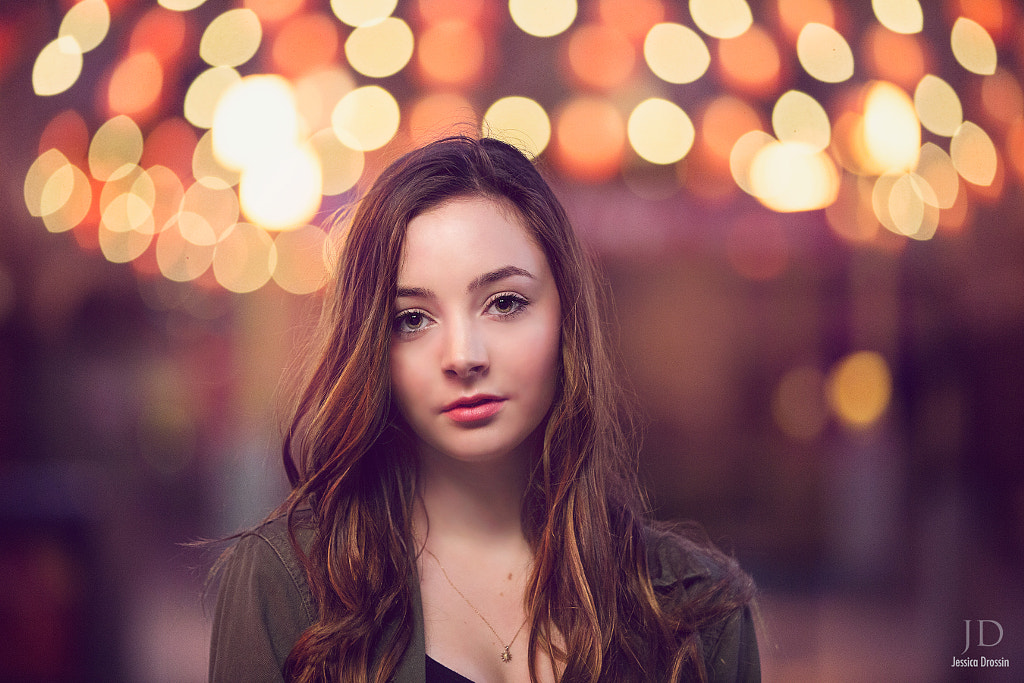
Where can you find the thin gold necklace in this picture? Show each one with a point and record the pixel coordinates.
(506, 655)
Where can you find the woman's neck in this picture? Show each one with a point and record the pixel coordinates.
(470, 505)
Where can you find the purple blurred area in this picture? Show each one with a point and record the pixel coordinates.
(138, 415)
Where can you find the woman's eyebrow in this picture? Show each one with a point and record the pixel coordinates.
(477, 283)
(419, 292)
(499, 274)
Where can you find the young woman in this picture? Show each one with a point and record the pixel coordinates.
(464, 502)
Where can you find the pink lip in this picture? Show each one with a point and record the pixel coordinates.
(473, 408)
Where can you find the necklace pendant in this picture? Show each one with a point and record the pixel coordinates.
(506, 656)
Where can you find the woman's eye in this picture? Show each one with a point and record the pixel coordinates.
(507, 304)
(410, 321)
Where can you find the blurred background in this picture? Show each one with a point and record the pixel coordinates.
(810, 217)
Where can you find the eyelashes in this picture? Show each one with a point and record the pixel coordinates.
(410, 322)
(507, 304)
(502, 306)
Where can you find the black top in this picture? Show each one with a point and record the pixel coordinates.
(439, 673)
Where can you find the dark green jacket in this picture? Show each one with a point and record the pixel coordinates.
(264, 605)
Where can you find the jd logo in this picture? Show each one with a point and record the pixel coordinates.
(981, 633)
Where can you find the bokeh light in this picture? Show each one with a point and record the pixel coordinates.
(207, 212)
(208, 169)
(906, 205)
(543, 18)
(880, 44)
(180, 5)
(244, 258)
(68, 133)
(938, 106)
(366, 118)
(357, 13)
(889, 132)
(660, 131)
(721, 18)
(121, 240)
(163, 33)
(799, 405)
(936, 169)
(451, 52)
(180, 259)
(282, 189)
(899, 16)
(254, 118)
(185, 144)
(318, 92)
(798, 117)
(824, 53)
(205, 92)
(793, 176)
(57, 67)
(305, 43)
(600, 56)
(521, 121)
(590, 137)
(1015, 147)
(794, 15)
(973, 47)
(66, 199)
(633, 17)
(274, 11)
(475, 12)
(380, 49)
(45, 167)
(135, 85)
(1002, 97)
(751, 63)
(852, 216)
(675, 53)
(742, 155)
(88, 22)
(340, 166)
(232, 38)
(116, 147)
(859, 388)
(974, 154)
(126, 204)
(441, 114)
(301, 266)
(724, 121)
(168, 195)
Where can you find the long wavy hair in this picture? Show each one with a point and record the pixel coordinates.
(350, 459)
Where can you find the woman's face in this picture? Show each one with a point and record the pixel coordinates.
(476, 335)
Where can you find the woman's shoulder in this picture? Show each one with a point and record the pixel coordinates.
(263, 603)
(276, 533)
(707, 587)
(679, 556)
(266, 557)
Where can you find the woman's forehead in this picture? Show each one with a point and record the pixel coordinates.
(469, 235)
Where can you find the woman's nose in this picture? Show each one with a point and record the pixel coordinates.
(465, 353)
